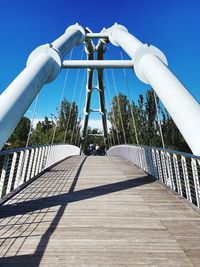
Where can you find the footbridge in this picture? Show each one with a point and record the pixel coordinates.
(137, 205)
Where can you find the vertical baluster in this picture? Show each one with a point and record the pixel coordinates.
(28, 176)
(177, 174)
(159, 167)
(48, 156)
(11, 174)
(42, 158)
(25, 167)
(19, 169)
(164, 168)
(196, 181)
(3, 174)
(34, 163)
(38, 160)
(155, 171)
(170, 172)
(186, 178)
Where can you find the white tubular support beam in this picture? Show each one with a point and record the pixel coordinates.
(93, 35)
(150, 67)
(97, 64)
(43, 66)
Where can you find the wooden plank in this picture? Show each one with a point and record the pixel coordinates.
(100, 212)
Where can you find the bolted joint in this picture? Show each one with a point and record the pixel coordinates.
(112, 29)
(76, 27)
(49, 51)
(140, 53)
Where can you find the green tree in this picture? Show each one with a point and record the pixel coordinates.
(43, 132)
(119, 118)
(68, 123)
(19, 136)
(146, 122)
(172, 136)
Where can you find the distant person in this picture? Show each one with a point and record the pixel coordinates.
(91, 149)
(103, 151)
(97, 148)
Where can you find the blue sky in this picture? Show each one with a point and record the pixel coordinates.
(172, 26)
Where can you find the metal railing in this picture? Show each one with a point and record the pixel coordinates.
(20, 165)
(179, 171)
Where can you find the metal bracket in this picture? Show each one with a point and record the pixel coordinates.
(140, 53)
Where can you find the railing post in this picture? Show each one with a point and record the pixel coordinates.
(177, 173)
(33, 170)
(186, 178)
(155, 168)
(38, 160)
(170, 172)
(44, 163)
(11, 174)
(3, 174)
(42, 159)
(196, 181)
(28, 176)
(25, 167)
(160, 174)
(19, 169)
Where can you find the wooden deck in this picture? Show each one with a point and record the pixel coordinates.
(98, 211)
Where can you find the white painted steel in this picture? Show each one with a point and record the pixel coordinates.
(94, 35)
(181, 105)
(43, 66)
(179, 171)
(97, 64)
(11, 174)
(20, 165)
(3, 174)
(19, 169)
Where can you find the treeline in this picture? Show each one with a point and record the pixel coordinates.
(129, 117)
(65, 128)
(126, 118)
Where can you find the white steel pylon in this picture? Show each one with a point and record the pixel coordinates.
(90, 49)
(150, 66)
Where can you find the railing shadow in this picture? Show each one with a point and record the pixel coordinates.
(48, 202)
(61, 200)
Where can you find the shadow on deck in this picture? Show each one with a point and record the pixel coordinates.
(96, 212)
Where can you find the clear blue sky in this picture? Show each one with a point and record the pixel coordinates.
(172, 25)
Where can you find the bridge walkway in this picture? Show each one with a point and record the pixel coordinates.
(98, 211)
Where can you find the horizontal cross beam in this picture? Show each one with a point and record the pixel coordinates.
(97, 64)
(93, 35)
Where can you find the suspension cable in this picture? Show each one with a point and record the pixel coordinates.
(118, 104)
(73, 96)
(32, 120)
(159, 122)
(112, 112)
(109, 135)
(79, 100)
(82, 85)
(130, 106)
(61, 98)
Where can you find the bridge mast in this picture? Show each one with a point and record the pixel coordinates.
(90, 49)
(43, 66)
(150, 66)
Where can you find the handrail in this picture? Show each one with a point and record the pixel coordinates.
(178, 170)
(168, 150)
(20, 165)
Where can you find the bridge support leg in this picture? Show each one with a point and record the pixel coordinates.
(100, 51)
(150, 67)
(43, 67)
